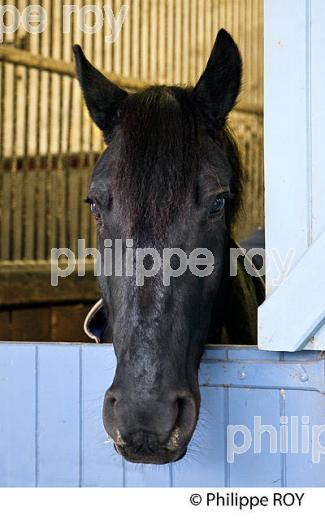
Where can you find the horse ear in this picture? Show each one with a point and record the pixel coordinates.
(218, 87)
(101, 95)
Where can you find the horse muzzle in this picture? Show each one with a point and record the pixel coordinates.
(146, 450)
(152, 431)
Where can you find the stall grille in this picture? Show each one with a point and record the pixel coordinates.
(48, 144)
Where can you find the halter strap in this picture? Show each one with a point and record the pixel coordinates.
(95, 321)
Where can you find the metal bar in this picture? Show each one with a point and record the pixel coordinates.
(61, 180)
(5, 219)
(40, 174)
(51, 184)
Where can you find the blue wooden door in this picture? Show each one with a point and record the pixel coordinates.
(51, 431)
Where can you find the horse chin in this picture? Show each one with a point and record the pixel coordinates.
(164, 457)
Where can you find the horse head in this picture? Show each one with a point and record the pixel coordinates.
(163, 193)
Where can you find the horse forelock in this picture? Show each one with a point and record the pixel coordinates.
(157, 160)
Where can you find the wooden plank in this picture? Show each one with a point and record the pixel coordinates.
(67, 323)
(286, 88)
(261, 373)
(32, 324)
(204, 464)
(16, 177)
(18, 415)
(134, 13)
(193, 75)
(317, 116)
(41, 249)
(162, 40)
(144, 41)
(201, 59)
(306, 416)
(17, 192)
(28, 283)
(101, 465)
(58, 433)
(126, 45)
(6, 217)
(249, 468)
(117, 46)
(75, 201)
(285, 321)
(317, 43)
(30, 220)
(146, 475)
(5, 326)
(86, 224)
(61, 174)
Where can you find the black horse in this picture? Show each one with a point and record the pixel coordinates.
(170, 177)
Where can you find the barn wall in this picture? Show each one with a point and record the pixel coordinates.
(161, 41)
(45, 322)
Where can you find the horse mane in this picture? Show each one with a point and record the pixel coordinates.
(159, 156)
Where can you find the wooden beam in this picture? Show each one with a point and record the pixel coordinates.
(29, 283)
(291, 315)
(9, 54)
(286, 130)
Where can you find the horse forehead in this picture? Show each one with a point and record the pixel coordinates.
(212, 173)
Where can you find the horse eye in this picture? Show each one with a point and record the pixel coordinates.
(217, 206)
(94, 209)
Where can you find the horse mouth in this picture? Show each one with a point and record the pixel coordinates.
(161, 456)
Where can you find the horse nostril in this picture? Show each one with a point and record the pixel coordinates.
(109, 411)
(110, 399)
(180, 403)
(186, 411)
